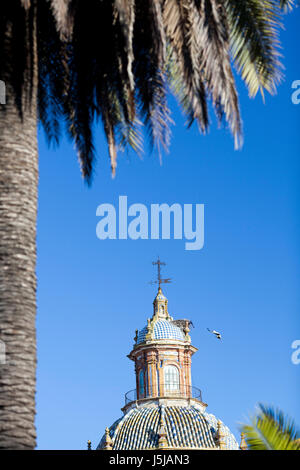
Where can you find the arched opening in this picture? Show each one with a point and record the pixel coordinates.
(141, 384)
(171, 378)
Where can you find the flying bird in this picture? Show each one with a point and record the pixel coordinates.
(216, 333)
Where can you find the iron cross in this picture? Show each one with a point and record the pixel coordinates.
(160, 280)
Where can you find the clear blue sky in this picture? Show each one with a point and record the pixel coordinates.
(93, 294)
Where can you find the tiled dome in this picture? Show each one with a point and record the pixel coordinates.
(186, 427)
(163, 329)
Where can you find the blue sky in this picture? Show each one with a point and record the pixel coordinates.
(93, 294)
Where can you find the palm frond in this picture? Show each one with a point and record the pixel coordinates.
(254, 41)
(286, 424)
(53, 73)
(149, 72)
(183, 44)
(185, 75)
(215, 63)
(287, 5)
(63, 14)
(126, 12)
(115, 61)
(16, 51)
(270, 429)
(200, 68)
(100, 78)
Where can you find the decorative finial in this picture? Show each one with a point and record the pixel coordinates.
(149, 329)
(108, 442)
(243, 444)
(89, 445)
(160, 280)
(219, 436)
(162, 433)
(186, 330)
(136, 335)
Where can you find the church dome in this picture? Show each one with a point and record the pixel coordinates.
(162, 329)
(165, 411)
(185, 427)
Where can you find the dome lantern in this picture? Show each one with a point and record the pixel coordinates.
(160, 306)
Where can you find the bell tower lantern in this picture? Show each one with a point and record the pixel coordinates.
(162, 354)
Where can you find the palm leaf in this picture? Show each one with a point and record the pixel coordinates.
(287, 5)
(254, 42)
(270, 429)
(123, 56)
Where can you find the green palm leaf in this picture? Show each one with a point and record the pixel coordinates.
(270, 429)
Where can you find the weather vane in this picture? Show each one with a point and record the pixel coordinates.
(160, 280)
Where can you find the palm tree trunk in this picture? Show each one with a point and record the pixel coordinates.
(18, 208)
